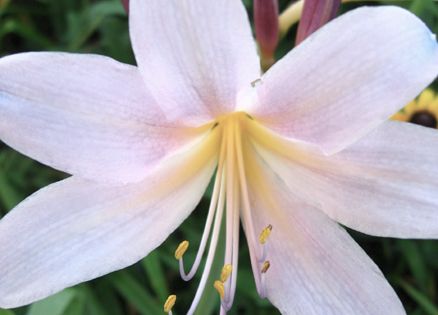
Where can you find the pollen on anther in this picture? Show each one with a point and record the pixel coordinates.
(226, 272)
(219, 286)
(182, 248)
(170, 302)
(265, 234)
(265, 266)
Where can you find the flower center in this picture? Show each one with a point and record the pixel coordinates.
(424, 118)
(230, 200)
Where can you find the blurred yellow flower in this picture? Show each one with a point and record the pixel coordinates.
(421, 111)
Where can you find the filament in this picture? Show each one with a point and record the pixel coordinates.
(212, 249)
(254, 254)
(208, 223)
(230, 192)
(231, 288)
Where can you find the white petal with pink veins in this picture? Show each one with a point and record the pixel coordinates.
(348, 77)
(194, 55)
(315, 266)
(86, 115)
(385, 184)
(76, 230)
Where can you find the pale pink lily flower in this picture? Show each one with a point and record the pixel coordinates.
(298, 149)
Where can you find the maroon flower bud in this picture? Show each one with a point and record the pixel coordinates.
(315, 14)
(266, 27)
(126, 5)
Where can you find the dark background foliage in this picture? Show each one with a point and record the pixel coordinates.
(100, 26)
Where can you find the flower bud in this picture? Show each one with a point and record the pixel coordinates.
(126, 5)
(315, 14)
(266, 28)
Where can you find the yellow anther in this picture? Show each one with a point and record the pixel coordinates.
(265, 234)
(226, 272)
(182, 248)
(265, 266)
(219, 286)
(170, 302)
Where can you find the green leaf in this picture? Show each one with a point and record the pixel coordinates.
(154, 271)
(425, 303)
(54, 305)
(135, 293)
(77, 305)
(11, 26)
(105, 292)
(91, 303)
(416, 262)
(85, 23)
(8, 196)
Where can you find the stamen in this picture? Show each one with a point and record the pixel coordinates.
(170, 302)
(231, 201)
(212, 249)
(245, 198)
(229, 192)
(263, 238)
(231, 289)
(209, 221)
(256, 253)
(265, 234)
(263, 270)
(265, 266)
(226, 272)
(230, 286)
(219, 286)
(182, 248)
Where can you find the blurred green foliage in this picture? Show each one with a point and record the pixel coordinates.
(100, 26)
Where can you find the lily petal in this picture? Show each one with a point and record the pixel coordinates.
(76, 230)
(384, 185)
(86, 115)
(194, 55)
(315, 266)
(348, 77)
